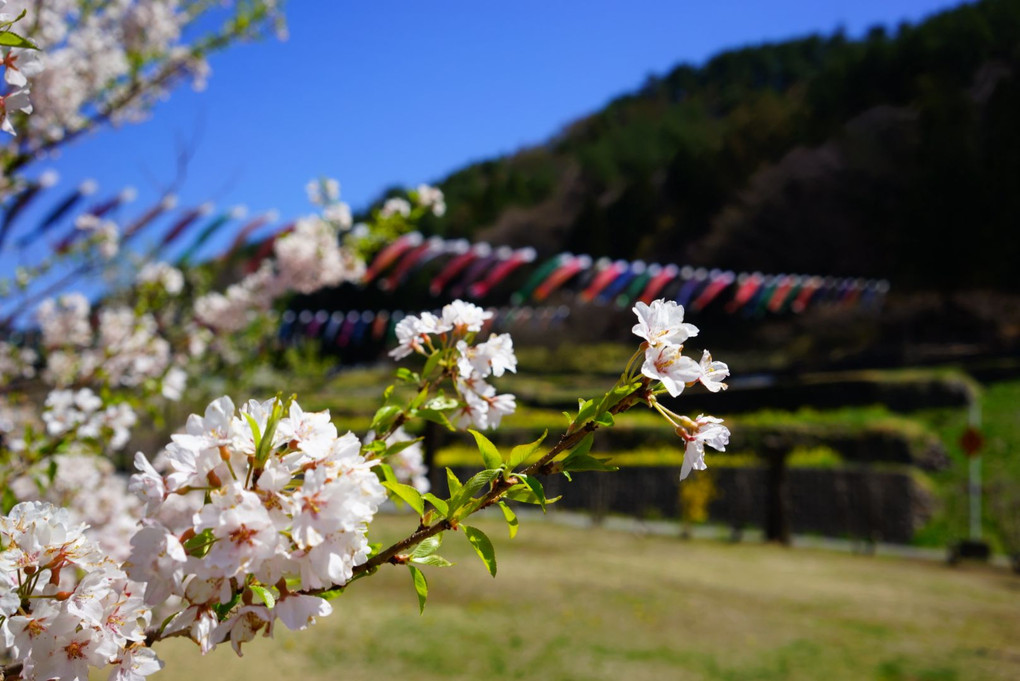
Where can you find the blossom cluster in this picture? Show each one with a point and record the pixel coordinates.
(162, 275)
(139, 346)
(19, 65)
(432, 198)
(55, 623)
(309, 258)
(112, 57)
(306, 259)
(16, 362)
(82, 411)
(76, 478)
(105, 234)
(661, 325)
(325, 193)
(255, 512)
(267, 497)
(91, 490)
(455, 327)
(426, 196)
(126, 348)
(98, 364)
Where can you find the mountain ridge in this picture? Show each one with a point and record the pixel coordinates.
(891, 156)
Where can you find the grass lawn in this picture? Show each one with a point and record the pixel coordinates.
(591, 604)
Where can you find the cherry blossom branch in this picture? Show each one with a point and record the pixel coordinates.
(544, 466)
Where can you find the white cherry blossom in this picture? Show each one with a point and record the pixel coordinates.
(16, 100)
(666, 363)
(713, 373)
(463, 317)
(20, 65)
(662, 322)
(704, 430)
(298, 612)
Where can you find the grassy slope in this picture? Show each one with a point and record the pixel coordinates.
(574, 604)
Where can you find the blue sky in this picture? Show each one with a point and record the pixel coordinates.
(383, 93)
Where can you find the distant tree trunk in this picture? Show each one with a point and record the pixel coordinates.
(430, 445)
(777, 497)
(741, 509)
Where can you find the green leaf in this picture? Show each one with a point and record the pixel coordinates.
(591, 463)
(408, 494)
(616, 395)
(407, 376)
(584, 446)
(521, 453)
(419, 398)
(263, 450)
(199, 544)
(431, 363)
(435, 417)
(8, 501)
(427, 547)
(387, 472)
(264, 594)
(373, 449)
(223, 609)
(523, 494)
(421, 586)
(162, 625)
(384, 417)
(440, 505)
(511, 519)
(482, 546)
(453, 483)
(580, 460)
(256, 434)
(436, 561)
(442, 403)
(333, 593)
(12, 39)
(606, 420)
(474, 483)
(585, 410)
(536, 488)
(490, 455)
(398, 447)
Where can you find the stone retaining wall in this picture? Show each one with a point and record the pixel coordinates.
(857, 502)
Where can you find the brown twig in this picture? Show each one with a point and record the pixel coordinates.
(543, 466)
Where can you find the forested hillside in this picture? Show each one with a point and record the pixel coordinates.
(894, 156)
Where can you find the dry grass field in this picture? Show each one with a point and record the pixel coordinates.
(595, 604)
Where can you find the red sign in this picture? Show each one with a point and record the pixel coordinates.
(972, 441)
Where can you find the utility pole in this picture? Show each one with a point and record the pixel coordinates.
(974, 484)
(971, 442)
